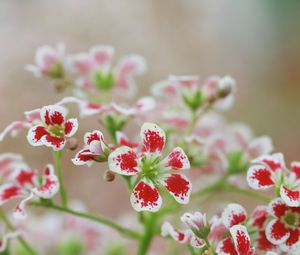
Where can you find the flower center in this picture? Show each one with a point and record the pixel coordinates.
(150, 166)
(56, 130)
(290, 219)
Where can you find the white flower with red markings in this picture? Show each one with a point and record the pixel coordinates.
(238, 244)
(95, 149)
(97, 72)
(23, 183)
(233, 214)
(49, 62)
(151, 170)
(270, 172)
(284, 227)
(54, 129)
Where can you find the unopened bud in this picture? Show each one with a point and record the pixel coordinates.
(109, 176)
(72, 144)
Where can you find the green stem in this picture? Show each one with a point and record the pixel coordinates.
(57, 155)
(191, 250)
(192, 123)
(96, 218)
(22, 241)
(246, 192)
(149, 232)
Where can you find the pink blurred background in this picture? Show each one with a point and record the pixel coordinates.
(256, 42)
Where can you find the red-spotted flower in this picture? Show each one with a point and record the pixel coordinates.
(23, 183)
(151, 170)
(95, 149)
(284, 228)
(270, 171)
(54, 129)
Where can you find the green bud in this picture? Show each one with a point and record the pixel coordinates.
(103, 81)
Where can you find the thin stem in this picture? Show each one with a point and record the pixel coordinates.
(57, 155)
(149, 232)
(246, 192)
(96, 218)
(192, 123)
(191, 250)
(10, 227)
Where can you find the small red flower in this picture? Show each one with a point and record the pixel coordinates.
(54, 128)
(284, 228)
(151, 170)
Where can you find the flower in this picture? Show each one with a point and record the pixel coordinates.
(233, 214)
(238, 244)
(270, 171)
(23, 183)
(49, 62)
(95, 69)
(54, 129)
(94, 149)
(284, 228)
(151, 170)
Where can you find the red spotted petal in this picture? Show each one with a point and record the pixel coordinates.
(226, 247)
(274, 162)
(276, 232)
(179, 236)
(26, 178)
(259, 177)
(102, 55)
(123, 161)
(295, 167)
(9, 191)
(20, 210)
(179, 187)
(71, 127)
(293, 242)
(56, 143)
(35, 135)
(145, 197)
(123, 140)
(53, 115)
(233, 214)
(289, 196)
(177, 160)
(95, 141)
(262, 243)
(241, 240)
(259, 216)
(153, 138)
(83, 157)
(50, 184)
(278, 207)
(8, 164)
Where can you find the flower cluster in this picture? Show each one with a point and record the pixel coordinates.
(184, 142)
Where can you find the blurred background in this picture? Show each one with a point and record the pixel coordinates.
(257, 42)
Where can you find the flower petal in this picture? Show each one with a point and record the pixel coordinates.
(95, 141)
(179, 187)
(145, 197)
(5, 239)
(274, 162)
(289, 196)
(145, 104)
(35, 135)
(56, 143)
(9, 191)
(80, 63)
(233, 214)
(226, 247)
(179, 236)
(20, 212)
(276, 232)
(123, 140)
(260, 146)
(293, 242)
(83, 157)
(71, 127)
(26, 178)
(277, 207)
(53, 114)
(177, 160)
(123, 161)
(259, 216)
(13, 129)
(153, 137)
(295, 168)
(241, 240)
(259, 177)
(102, 55)
(50, 184)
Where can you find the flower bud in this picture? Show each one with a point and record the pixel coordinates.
(72, 144)
(109, 176)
